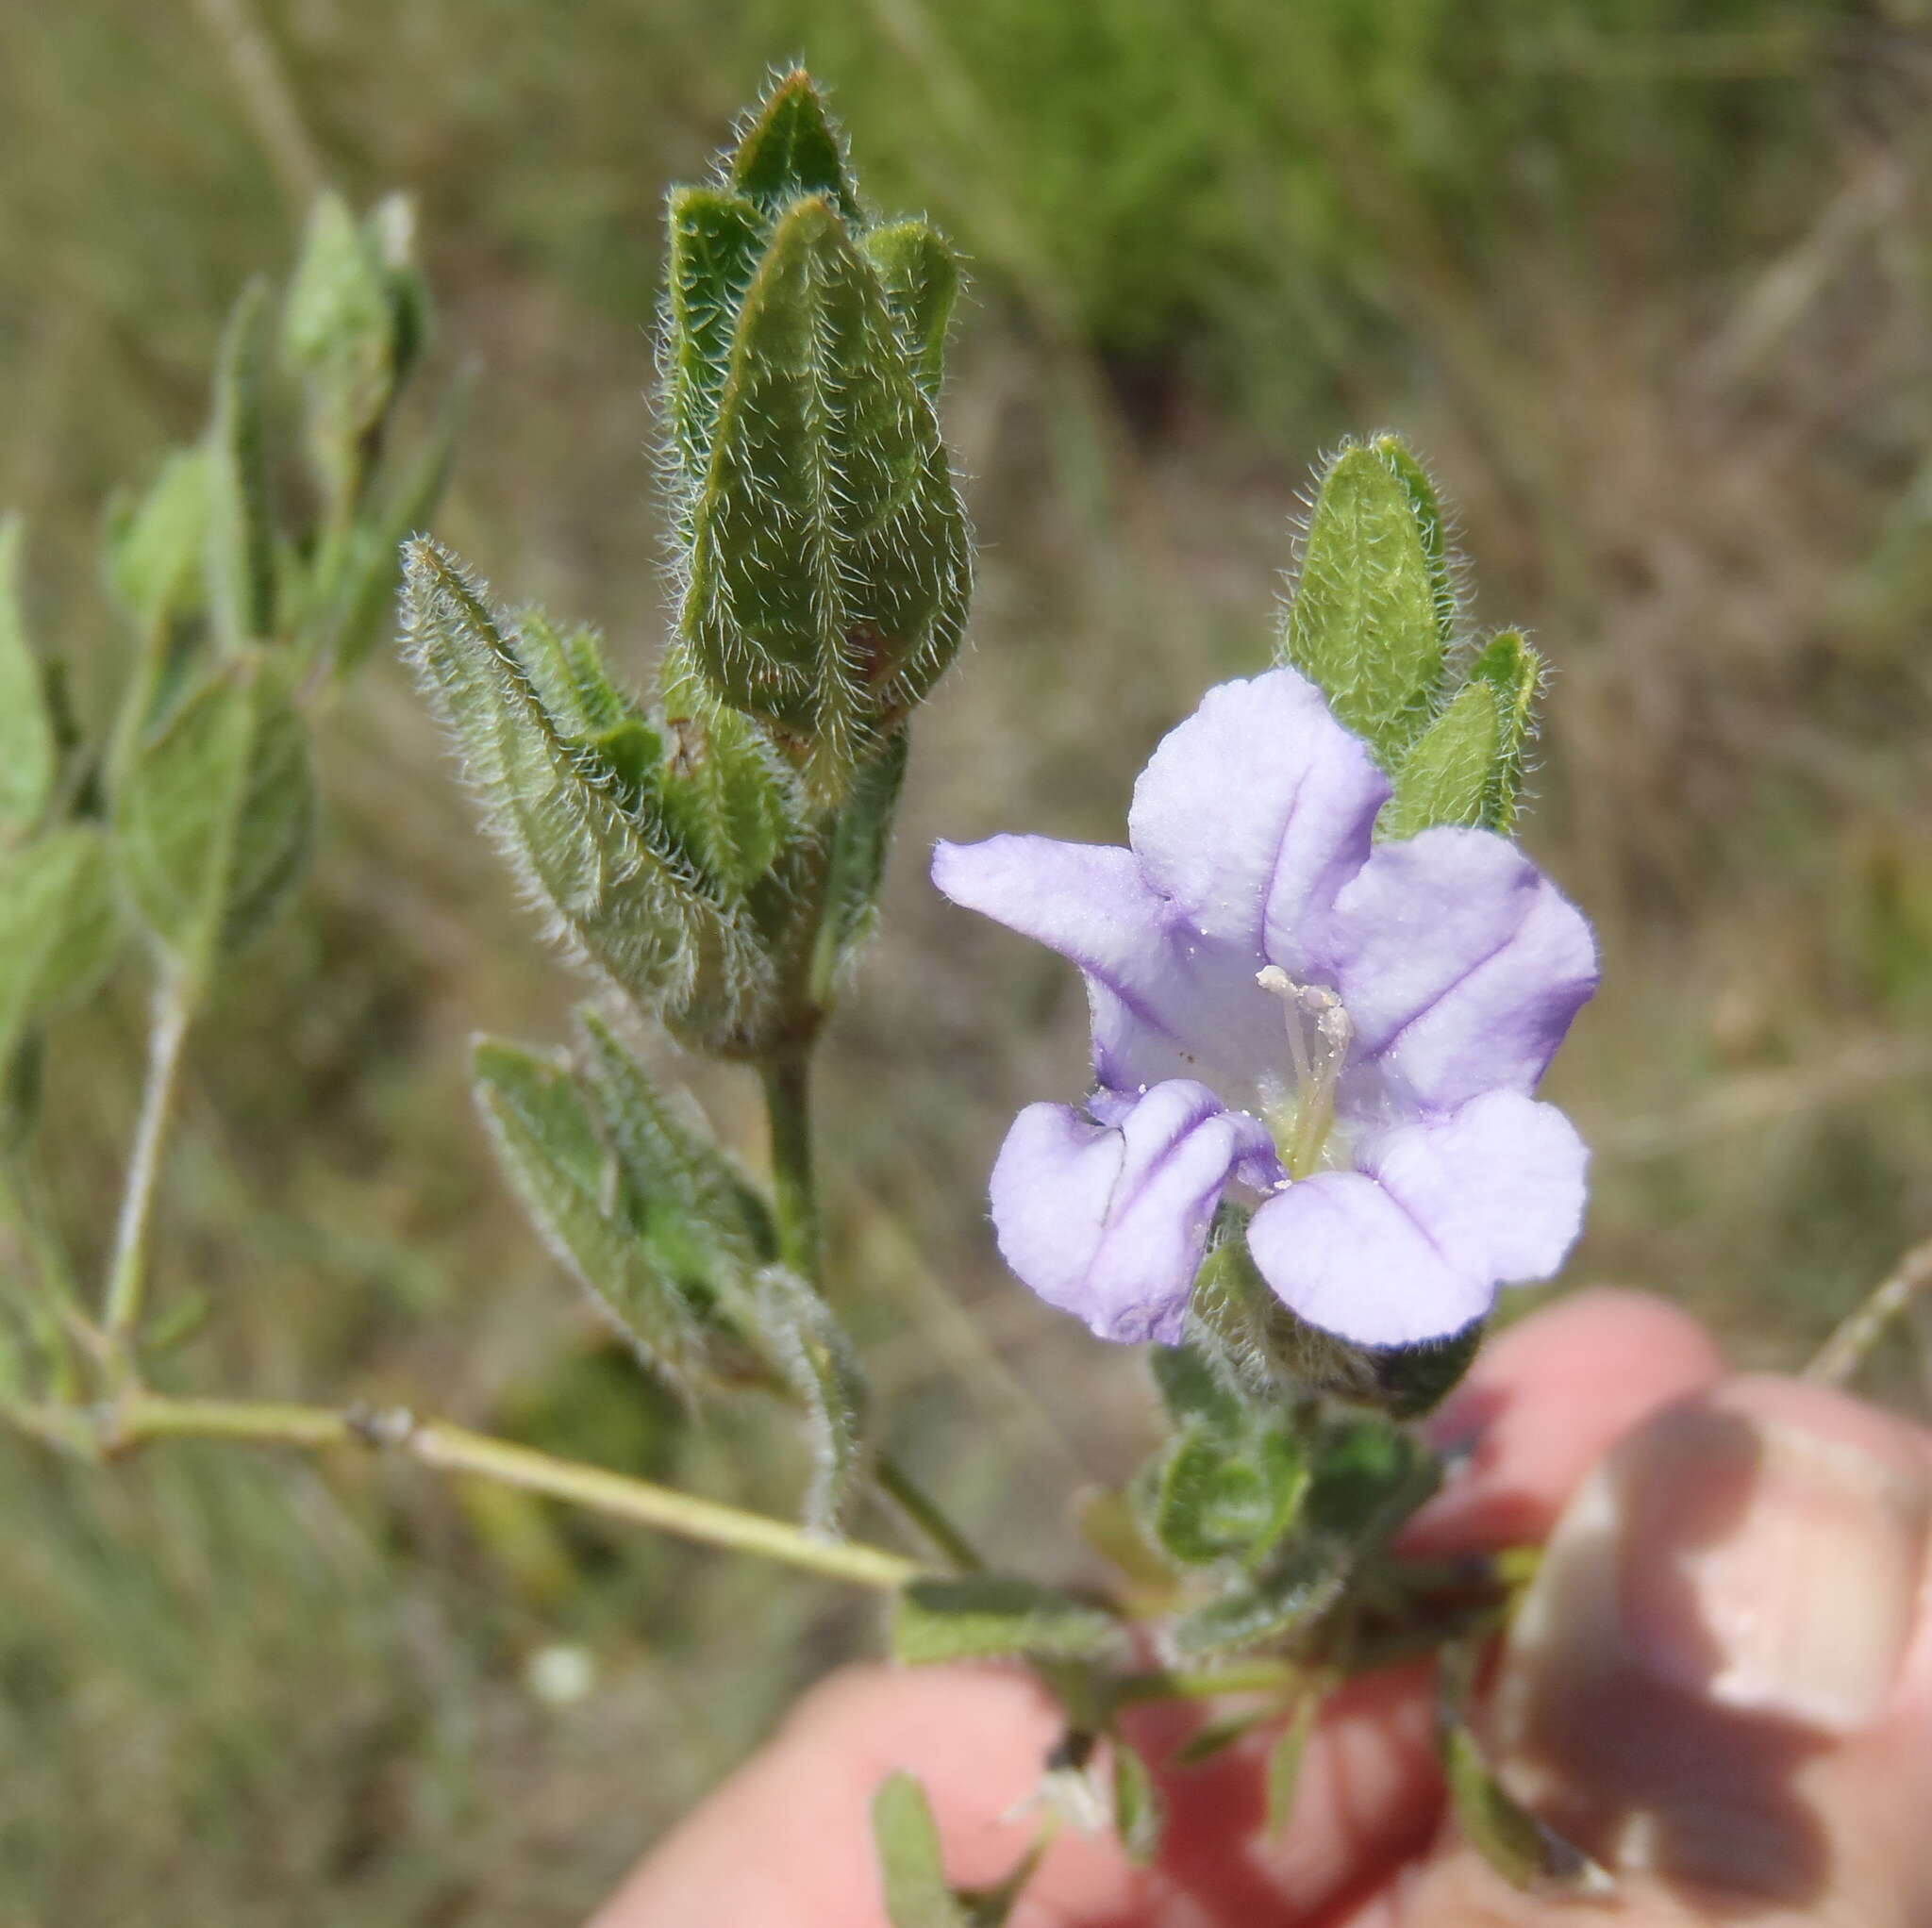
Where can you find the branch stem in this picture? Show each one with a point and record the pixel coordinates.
(794, 1193)
(106, 1432)
(127, 1272)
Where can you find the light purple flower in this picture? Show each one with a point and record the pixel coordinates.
(1346, 1034)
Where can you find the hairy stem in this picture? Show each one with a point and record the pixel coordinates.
(127, 1272)
(794, 1193)
(141, 1417)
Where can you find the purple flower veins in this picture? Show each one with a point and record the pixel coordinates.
(1345, 1034)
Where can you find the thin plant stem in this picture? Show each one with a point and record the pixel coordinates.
(127, 1272)
(1848, 1349)
(106, 1432)
(920, 1507)
(794, 1193)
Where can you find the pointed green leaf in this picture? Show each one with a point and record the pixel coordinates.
(29, 756)
(1304, 1584)
(1514, 671)
(829, 565)
(698, 1214)
(1427, 506)
(216, 811)
(59, 925)
(572, 1185)
(1219, 1499)
(1210, 1742)
(390, 230)
(618, 888)
(241, 504)
(1467, 766)
(921, 274)
(337, 329)
(1138, 1812)
(907, 1842)
(155, 549)
(988, 1616)
(790, 149)
(1364, 623)
(1194, 1391)
(1524, 1851)
(1284, 1760)
(861, 836)
(726, 791)
(1447, 776)
(361, 601)
(715, 241)
(798, 1334)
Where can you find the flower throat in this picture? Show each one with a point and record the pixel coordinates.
(1318, 1035)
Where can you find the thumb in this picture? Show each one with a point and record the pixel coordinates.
(1721, 1684)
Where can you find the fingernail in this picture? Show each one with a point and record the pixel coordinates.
(1770, 1568)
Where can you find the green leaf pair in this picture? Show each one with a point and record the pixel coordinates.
(1376, 620)
(826, 566)
(670, 1240)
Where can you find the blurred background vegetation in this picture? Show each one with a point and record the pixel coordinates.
(1649, 282)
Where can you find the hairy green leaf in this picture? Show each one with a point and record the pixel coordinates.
(215, 813)
(697, 1213)
(1302, 1585)
(241, 533)
(1221, 1500)
(1526, 1852)
(727, 793)
(1284, 1760)
(907, 1842)
(29, 754)
(358, 604)
(921, 274)
(790, 149)
(988, 1616)
(797, 1333)
(575, 1185)
(59, 925)
(156, 548)
(715, 241)
(337, 336)
(1427, 506)
(1467, 766)
(1364, 623)
(1514, 673)
(829, 565)
(1138, 1812)
(618, 888)
(1445, 777)
(861, 836)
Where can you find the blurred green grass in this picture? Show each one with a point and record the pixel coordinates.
(1648, 282)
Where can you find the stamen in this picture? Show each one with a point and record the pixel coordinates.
(1302, 1130)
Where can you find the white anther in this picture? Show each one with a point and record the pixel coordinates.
(1275, 981)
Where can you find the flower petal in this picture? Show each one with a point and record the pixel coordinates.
(1253, 814)
(1110, 1222)
(1411, 1246)
(1460, 964)
(1164, 1004)
(1498, 1189)
(1342, 1254)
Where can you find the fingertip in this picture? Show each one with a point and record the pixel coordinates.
(1543, 1402)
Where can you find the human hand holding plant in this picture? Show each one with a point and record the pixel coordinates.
(1324, 984)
